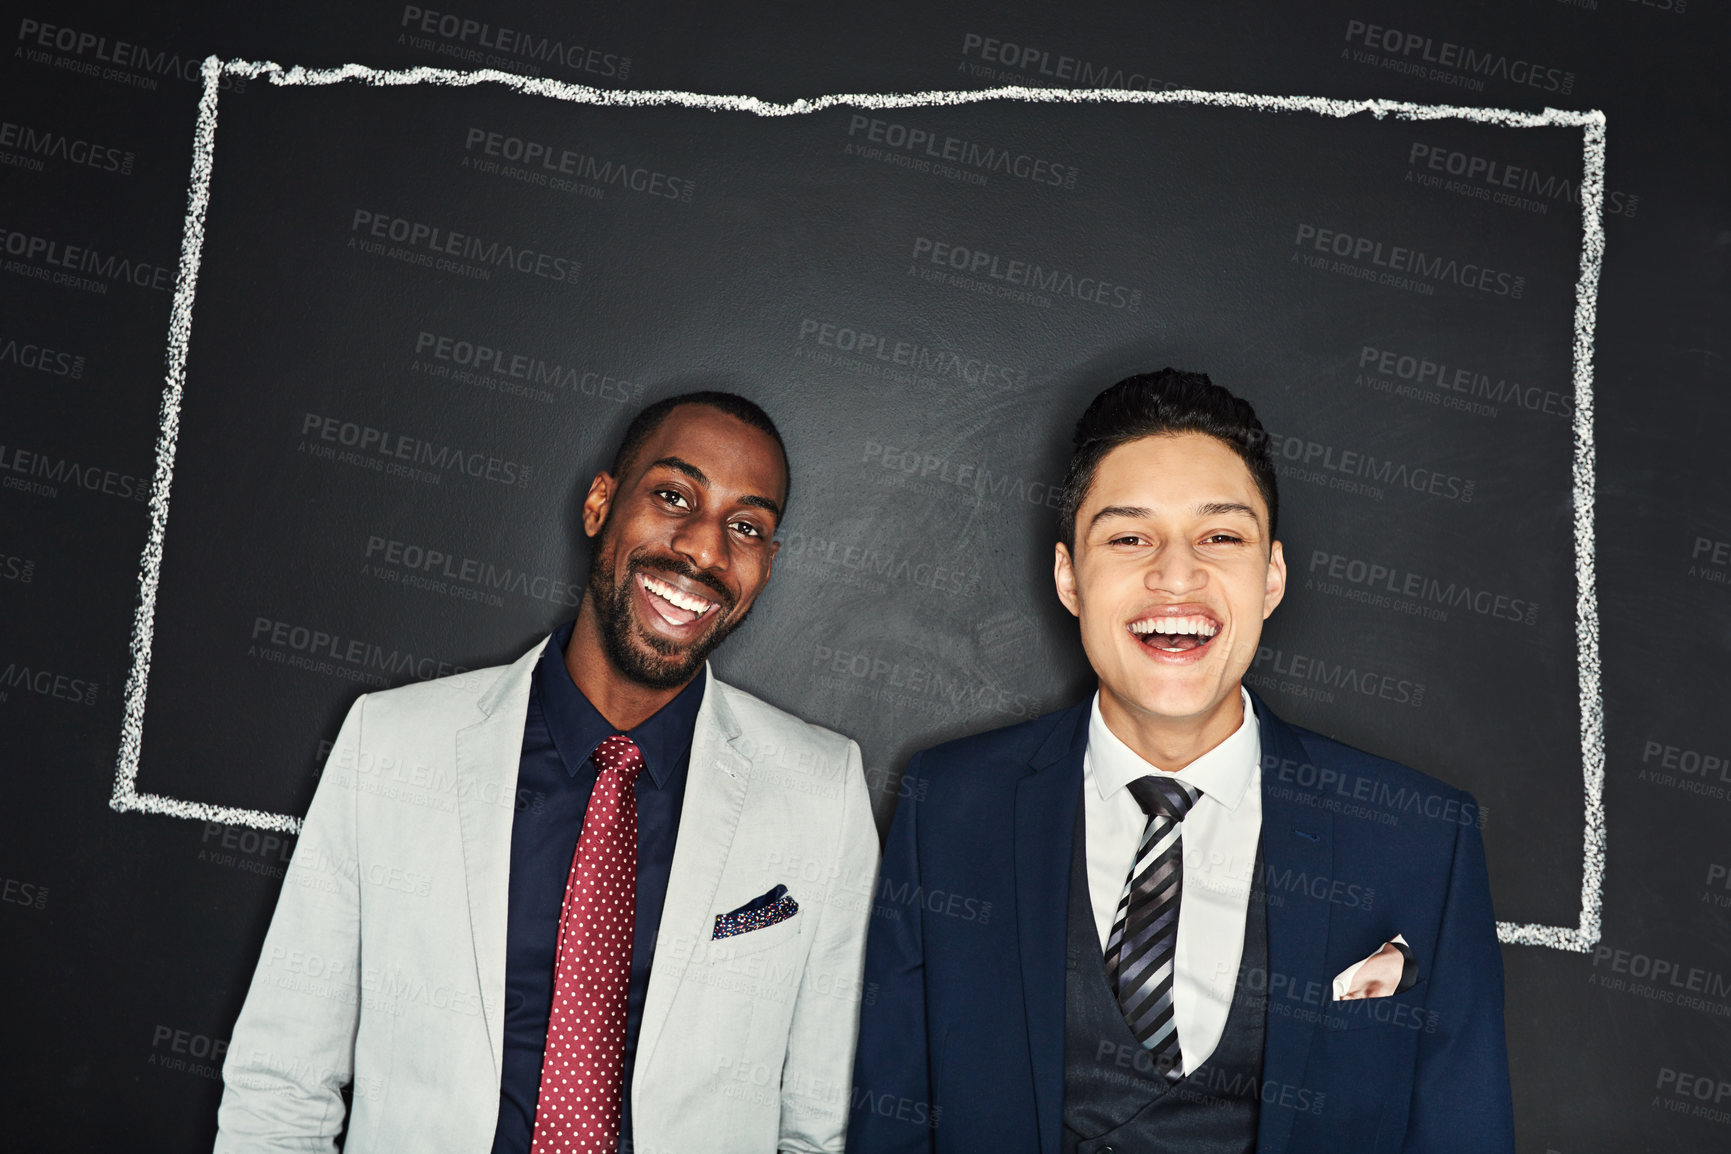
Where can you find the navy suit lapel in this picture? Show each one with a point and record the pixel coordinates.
(1296, 839)
(1045, 822)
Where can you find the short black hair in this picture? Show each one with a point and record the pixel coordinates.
(644, 424)
(1165, 403)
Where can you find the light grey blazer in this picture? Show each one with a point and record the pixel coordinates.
(384, 966)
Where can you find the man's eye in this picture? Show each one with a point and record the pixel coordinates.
(747, 528)
(1127, 539)
(672, 496)
(1223, 538)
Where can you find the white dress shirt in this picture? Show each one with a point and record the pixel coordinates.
(1220, 836)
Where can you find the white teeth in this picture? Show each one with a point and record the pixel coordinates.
(668, 593)
(1200, 626)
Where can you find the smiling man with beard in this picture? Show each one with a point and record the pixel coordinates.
(593, 901)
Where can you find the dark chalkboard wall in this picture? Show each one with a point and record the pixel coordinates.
(425, 313)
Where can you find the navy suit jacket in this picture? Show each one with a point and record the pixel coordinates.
(961, 1042)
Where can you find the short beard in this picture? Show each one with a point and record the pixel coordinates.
(666, 666)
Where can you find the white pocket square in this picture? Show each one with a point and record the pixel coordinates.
(1391, 970)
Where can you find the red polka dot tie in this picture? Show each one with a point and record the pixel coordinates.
(583, 1069)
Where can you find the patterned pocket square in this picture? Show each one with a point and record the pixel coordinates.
(764, 910)
(1391, 970)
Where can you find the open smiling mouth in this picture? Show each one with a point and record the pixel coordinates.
(1176, 634)
(675, 606)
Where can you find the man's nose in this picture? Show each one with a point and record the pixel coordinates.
(1175, 569)
(703, 541)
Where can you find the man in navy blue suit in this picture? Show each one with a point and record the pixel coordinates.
(1164, 919)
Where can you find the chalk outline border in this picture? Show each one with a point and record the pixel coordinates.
(1592, 123)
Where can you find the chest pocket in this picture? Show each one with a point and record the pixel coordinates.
(756, 941)
(1404, 1011)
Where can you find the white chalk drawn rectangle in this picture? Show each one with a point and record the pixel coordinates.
(1580, 938)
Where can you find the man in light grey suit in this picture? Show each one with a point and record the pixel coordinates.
(594, 900)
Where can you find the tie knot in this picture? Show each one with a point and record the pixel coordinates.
(1164, 796)
(619, 754)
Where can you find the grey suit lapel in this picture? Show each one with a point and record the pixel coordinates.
(715, 789)
(488, 754)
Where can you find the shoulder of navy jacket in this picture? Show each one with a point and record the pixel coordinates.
(1029, 745)
(1067, 737)
(1273, 729)
(1349, 761)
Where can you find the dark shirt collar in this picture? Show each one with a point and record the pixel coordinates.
(578, 727)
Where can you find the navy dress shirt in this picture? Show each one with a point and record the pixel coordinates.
(554, 780)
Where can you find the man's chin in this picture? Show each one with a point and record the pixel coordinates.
(1186, 700)
(656, 673)
(651, 662)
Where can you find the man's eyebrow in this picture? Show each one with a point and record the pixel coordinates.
(1206, 509)
(681, 465)
(1119, 511)
(1216, 508)
(762, 503)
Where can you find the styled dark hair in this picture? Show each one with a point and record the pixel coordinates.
(1162, 404)
(644, 424)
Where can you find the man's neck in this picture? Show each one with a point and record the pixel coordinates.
(624, 703)
(1171, 743)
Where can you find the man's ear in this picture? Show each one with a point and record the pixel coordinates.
(597, 502)
(1275, 590)
(1064, 577)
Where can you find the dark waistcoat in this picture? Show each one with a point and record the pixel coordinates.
(1114, 1099)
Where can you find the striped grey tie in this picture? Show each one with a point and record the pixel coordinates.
(1143, 947)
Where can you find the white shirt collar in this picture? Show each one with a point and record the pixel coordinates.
(1223, 773)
